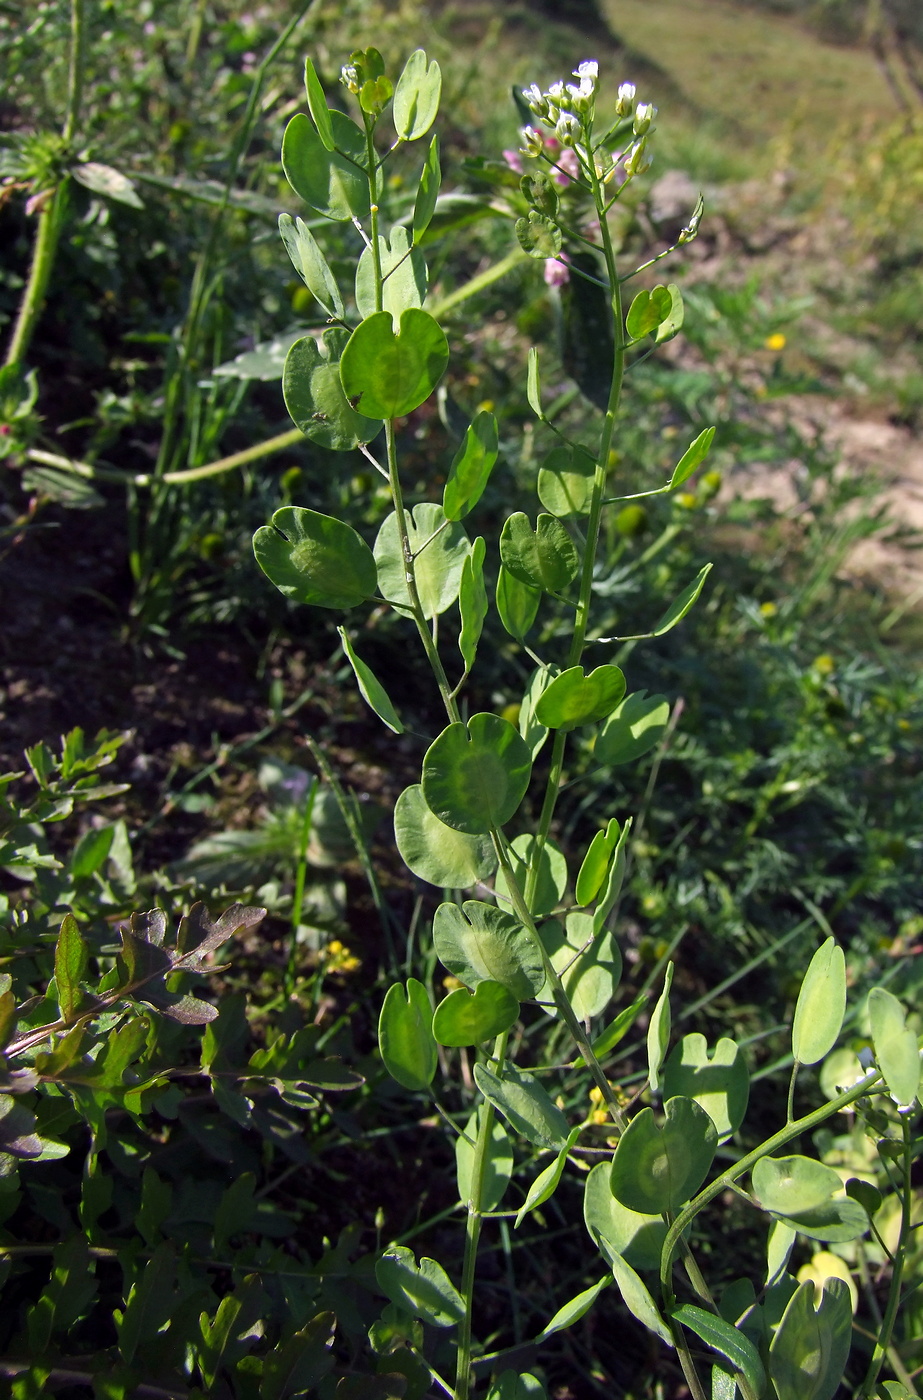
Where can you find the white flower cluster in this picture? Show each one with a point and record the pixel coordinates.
(349, 77)
(566, 108)
(565, 105)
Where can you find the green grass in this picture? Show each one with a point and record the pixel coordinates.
(758, 77)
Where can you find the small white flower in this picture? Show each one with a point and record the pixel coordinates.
(568, 130)
(587, 70)
(637, 160)
(538, 104)
(645, 112)
(533, 142)
(555, 93)
(626, 100)
(349, 77)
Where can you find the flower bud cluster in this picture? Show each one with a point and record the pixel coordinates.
(573, 100)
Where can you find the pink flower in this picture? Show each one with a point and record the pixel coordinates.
(556, 272)
(569, 167)
(514, 161)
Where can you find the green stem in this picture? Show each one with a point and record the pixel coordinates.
(304, 838)
(581, 622)
(883, 1343)
(410, 578)
(559, 995)
(726, 1180)
(50, 223)
(75, 72)
(473, 1232)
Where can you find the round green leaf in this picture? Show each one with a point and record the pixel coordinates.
(648, 310)
(387, 375)
(424, 1290)
(539, 235)
(405, 1035)
(544, 558)
(476, 775)
(498, 1168)
(524, 1104)
(565, 481)
(812, 1343)
(467, 1018)
(794, 1185)
(588, 963)
(634, 728)
(314, 558)
(479, 943)
(324, 179)
(439, 551)
(659, 1168)
(896, 1048)
(821, 1005)
(573, 699)
(436, 852)
(403, 269)
(314, 395)
(637, 1237)
(719, 1083)
(551, 881)
(416, 97)
(808, 1196)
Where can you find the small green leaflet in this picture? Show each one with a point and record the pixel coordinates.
(693, 457)
(471, 467)
(821, 1005)
(70, 961)
(674, 613)
(370, 688)
(726, 1340)
(472, 603)
(546, 1183)
(574, 1310)
(405, 1035)
(416, 97)
(427, 192)
(534, 384)
(896, 1048)
(317, 105)
(524, 1104)
(634, 1293)
(423, 1289)
(658, 1033)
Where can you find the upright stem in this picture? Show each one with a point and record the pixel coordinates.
(75, 72)
(50, 221)
(581, 623)
(883, 1343)
(473, 1232)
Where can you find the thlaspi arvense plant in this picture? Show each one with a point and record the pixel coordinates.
(519, 927)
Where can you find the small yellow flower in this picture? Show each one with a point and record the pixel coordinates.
(775, 341)
(451, 983)
(768, 609)
(824, 664)
(599, 1116)
(486, 406)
